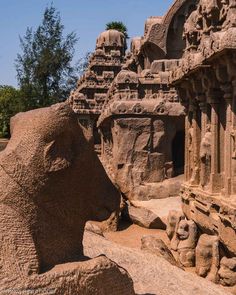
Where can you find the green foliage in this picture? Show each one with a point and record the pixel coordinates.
(10, 104)
(119, 26)
(44, 70)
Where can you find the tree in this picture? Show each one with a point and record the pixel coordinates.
(44, 71)
(10, 104)
(119, 26)
(82, 64)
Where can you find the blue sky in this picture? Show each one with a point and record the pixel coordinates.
(87, 18)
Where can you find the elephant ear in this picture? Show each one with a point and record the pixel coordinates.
(58, 154)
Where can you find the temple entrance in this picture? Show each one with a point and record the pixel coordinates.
(178, 147)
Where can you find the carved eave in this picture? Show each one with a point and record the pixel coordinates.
(109, 64)
(151, 107)
(145, 81)
(179, 76)
(211, 49)
(94, 87)
(87, 111)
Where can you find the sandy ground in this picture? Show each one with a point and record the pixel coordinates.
(129, 235)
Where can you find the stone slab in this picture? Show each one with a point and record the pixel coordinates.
(152, 211)
(151, 274)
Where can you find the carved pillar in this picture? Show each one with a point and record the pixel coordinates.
(196, 140)
(227, 88)
(233, 141)
(218, 75)
(204, 119)
(188, 143)
(203, 108)
(215, 179)
(186, 97)
(230, 96)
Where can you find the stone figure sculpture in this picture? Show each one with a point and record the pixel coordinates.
(191, 31)
(205, 155)
(224, 11)
(209, 10)
(46, 197)
(194, 171)
(233, 136)
(207, 257)
(187, 240)
(173, 219)
(228, 13)
(227, 272)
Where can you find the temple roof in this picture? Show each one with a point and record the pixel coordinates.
(110, 38)
(126, 76)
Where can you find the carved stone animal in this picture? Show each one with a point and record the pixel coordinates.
(173, 219)
(207, 257)
(227, 271)
(187, 237)
(51, 183)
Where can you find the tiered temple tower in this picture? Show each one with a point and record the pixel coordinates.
(104, 64)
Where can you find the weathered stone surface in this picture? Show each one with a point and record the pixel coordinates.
(227, 272)
(173, 220)
(186, 236)
(208, 257)
(142, 121)
(46, 197)
(154, 212)
(162, 190)
(145, 217)
(94, 228)
(156, 246)
(151, 274)
(140, 151)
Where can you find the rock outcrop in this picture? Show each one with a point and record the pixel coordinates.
(151, 274)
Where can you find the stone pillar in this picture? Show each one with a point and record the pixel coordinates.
(215, 179)
(228, 136)
(187, 166)
(233, 141)
(196, 139)
(203, 108)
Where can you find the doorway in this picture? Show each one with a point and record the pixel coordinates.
(178, 149)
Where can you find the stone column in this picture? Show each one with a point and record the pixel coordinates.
(233, 141)
(203, 108)
(196, 139)
(187, 167)
(215, 179)
(227, 88)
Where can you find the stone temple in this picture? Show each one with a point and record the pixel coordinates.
(136, 171)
